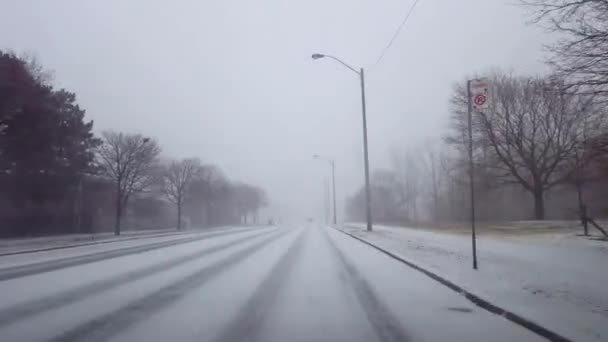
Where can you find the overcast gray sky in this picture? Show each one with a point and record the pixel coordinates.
(232, 82)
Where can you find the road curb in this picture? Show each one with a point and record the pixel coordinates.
(493, 308)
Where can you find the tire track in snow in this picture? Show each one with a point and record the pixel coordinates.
(24, 310)
(386, 325)
(249, 319)
(110, 324)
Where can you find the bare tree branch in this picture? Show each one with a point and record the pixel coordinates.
(581, 55)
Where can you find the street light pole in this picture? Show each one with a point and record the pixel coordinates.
(326, 209)
(361, 73)
(332, 163)
(368, 200)
(333, 182)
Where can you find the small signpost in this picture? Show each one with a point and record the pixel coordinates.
(478, 97)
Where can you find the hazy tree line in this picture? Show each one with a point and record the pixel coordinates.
(57, 176)
(540, 150)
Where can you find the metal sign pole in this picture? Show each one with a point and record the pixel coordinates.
(471, 174)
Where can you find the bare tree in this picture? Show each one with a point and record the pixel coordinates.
(407, 169)
(207, 189)
(432, 159)
(453, 170)
(176, 177)
(260, 202)
(212, 199)
(130, 161)
(249, 200)
(390, 197)
(532, 132)
(581, 55)
(421, 175)
(599, 152)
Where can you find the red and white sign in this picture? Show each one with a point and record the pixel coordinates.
(480, 100)
(480, 93)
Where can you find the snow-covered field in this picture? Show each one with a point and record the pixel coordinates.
(558, 280)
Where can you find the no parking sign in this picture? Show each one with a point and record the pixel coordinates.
(480, 94)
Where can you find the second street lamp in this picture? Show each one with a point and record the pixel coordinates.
(333, 182)
(360, 72)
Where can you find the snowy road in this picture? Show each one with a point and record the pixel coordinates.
(263, 284)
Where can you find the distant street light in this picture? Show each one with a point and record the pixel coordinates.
(333, 181)
(360, 72)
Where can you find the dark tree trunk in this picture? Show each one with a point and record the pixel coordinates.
(209, 218)
(179, 214)
(118, 211)
(118, 216)
(539, 204)
(435, 205)
(582, 209)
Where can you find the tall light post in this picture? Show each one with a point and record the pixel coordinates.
(326, 200)
(361, 73)
(332, 163)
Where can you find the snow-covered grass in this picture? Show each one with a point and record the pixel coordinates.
(513, 229)
(550, 276)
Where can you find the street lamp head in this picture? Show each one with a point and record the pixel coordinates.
(317, 55)
(316, 156)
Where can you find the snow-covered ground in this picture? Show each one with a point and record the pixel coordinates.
(20, 245)
(142, 242)
(12, 245)
(557, 280)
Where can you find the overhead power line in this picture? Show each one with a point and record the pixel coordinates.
(407, 16)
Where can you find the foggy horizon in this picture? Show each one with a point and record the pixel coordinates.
(234, 84)
(400, 170)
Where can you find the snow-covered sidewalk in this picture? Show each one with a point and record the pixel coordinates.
(559, 281)
(20, 245)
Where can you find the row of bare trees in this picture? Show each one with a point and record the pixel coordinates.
(531, 135)
(132, 163)
(542, 143)
(57, 176)
(534, 142)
